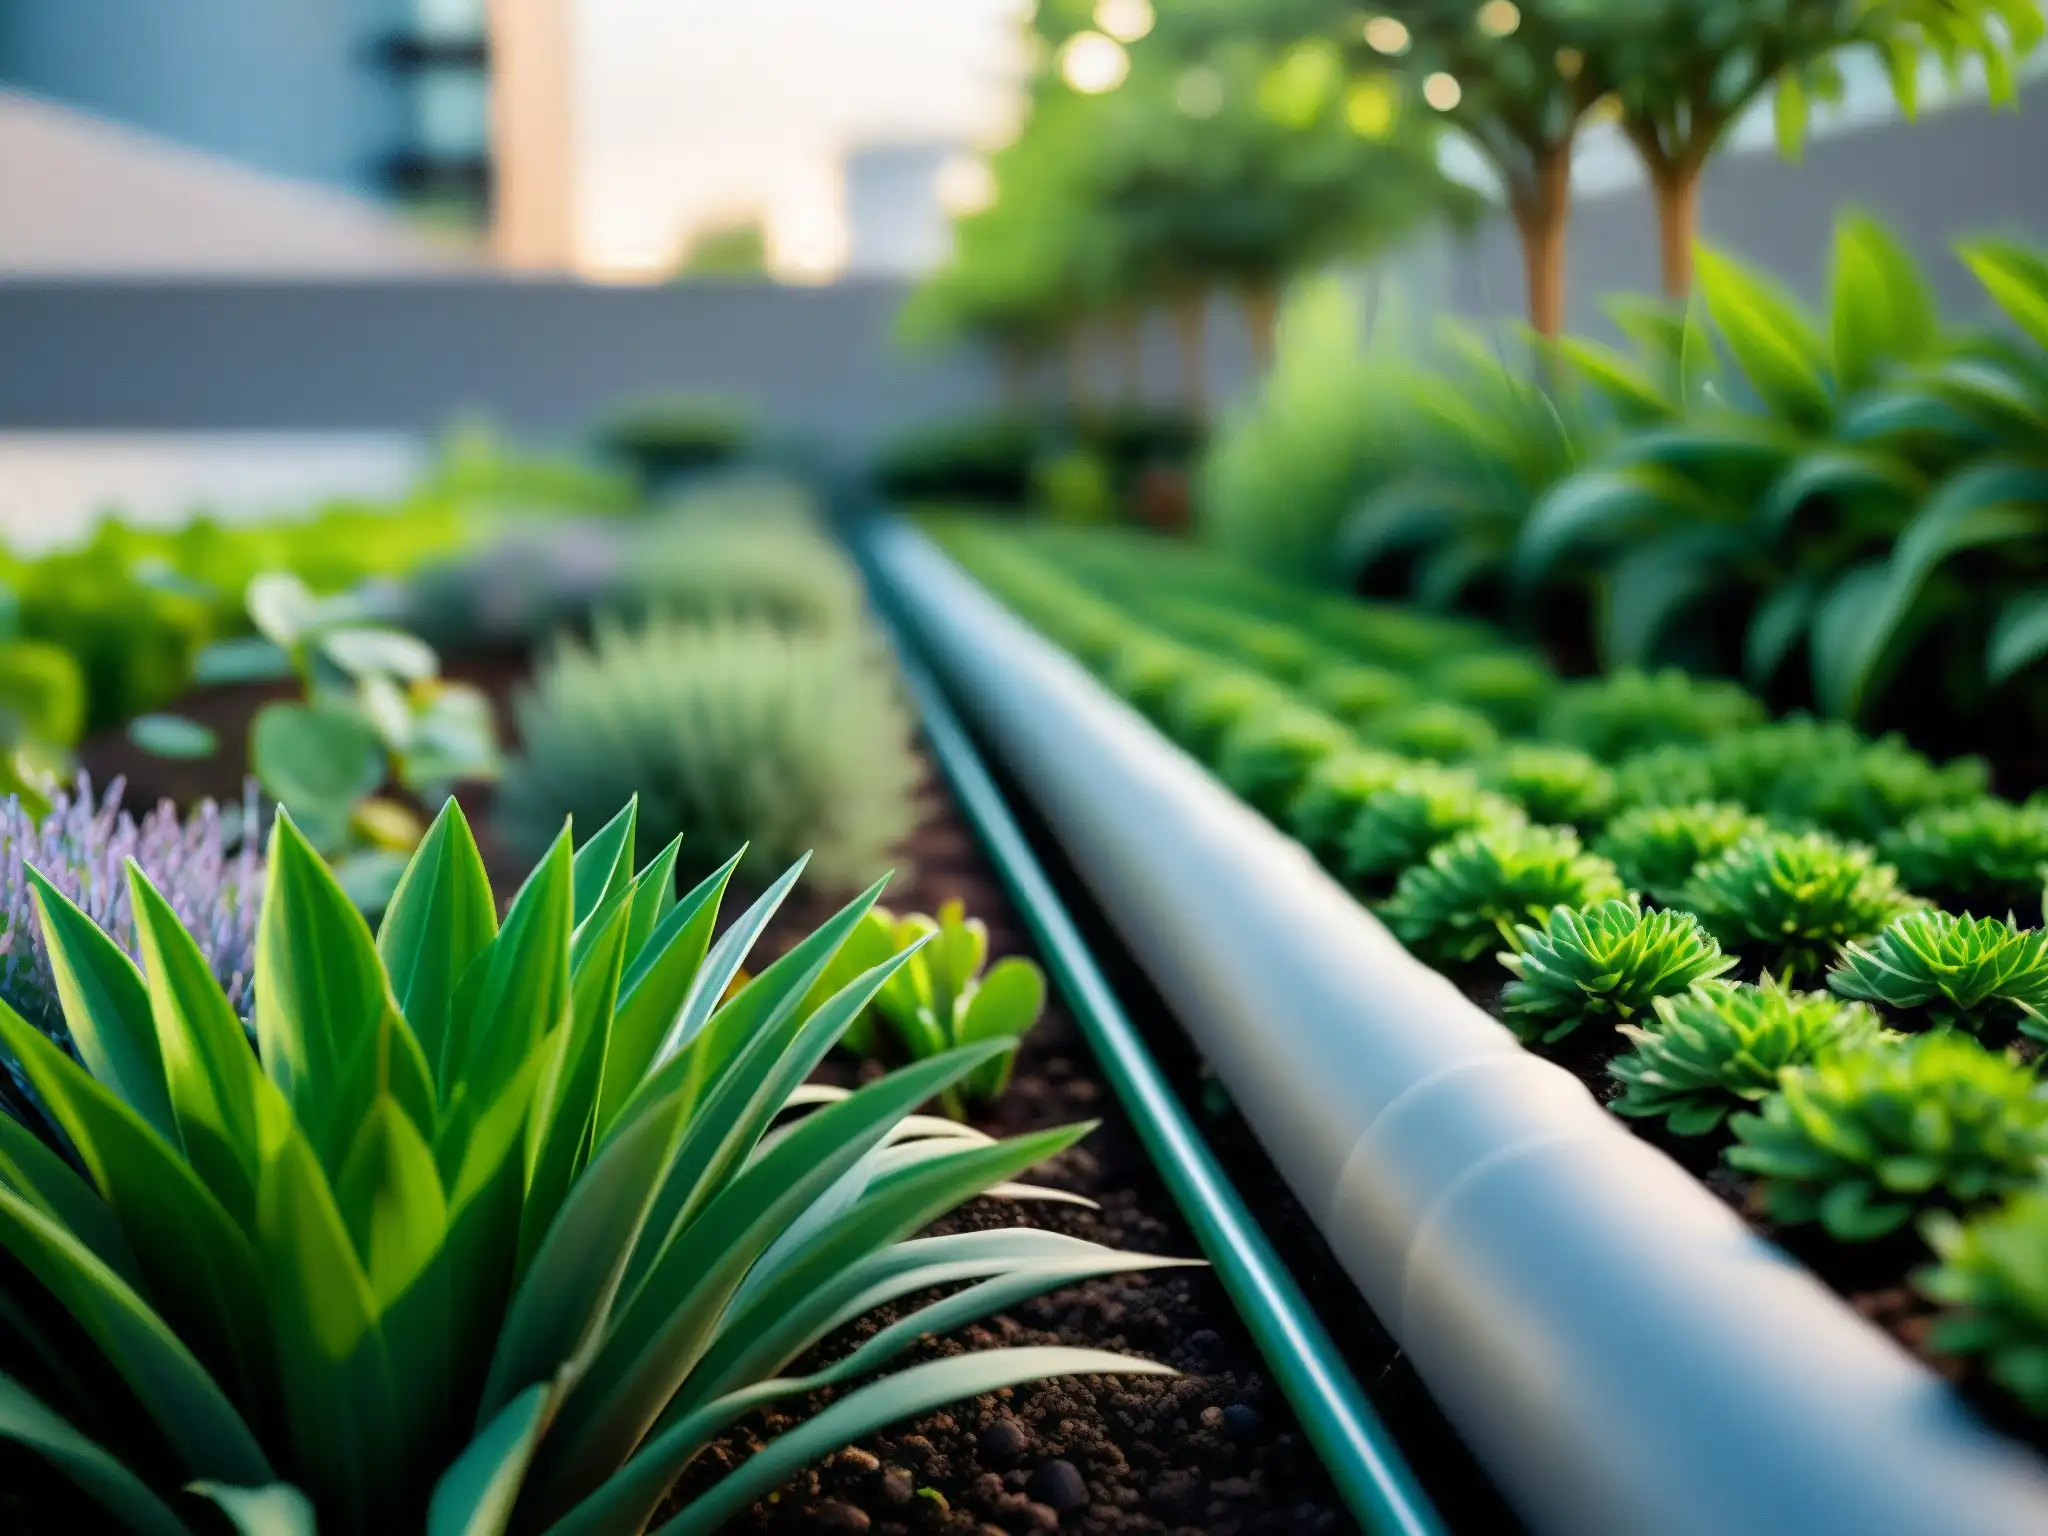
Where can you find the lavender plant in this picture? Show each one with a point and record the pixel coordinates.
(1657, 847)
(1986, 854)
(1963, 972)
(1608, 962)
(207, 865)
(1792, 900)
(1474, 890)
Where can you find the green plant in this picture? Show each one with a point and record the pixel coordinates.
(1333, 794)
(1357, 694)
(1608, 961)
(1720, 1045)
(491, 1228)
(1627, 712)
(1210, 703)
(1553, 784)
(1954, 972)
(1510, 688)
(747, 550)
(1444, 733)
(944, 996)
(1425, 806)
(1146, 672)
(660, 439)
(1991, 1279)
(1792, 900)
(1476, 890)
(1656, 847)
(732, 733)
(1265, 758)
(1077, 487)
(1985, 854)
(1864, 1140)
(42, 709)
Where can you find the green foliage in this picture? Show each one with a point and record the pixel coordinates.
(1984, 855)
(1722, 1045)
(1476, 891)
(1401, 822)
(1147, 672)
(1952, 972)
(732, 733)
(1991, 1279)
(494, 1228)
(1510, 688)
(1866, 1139)
(1203, 710)
(1560, 785)
(664, 437)
(1357, 694)
(1265, 758)
(985, 459)
(1790, 901)
(1604, 962)
(1442, 732)
(1076, 487)
(749, 550)
(945, 995)
(1656, 847)
(1336, 790)
(1627, 712)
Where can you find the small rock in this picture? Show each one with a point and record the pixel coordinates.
(1058, 1484)
(1212, 1418)
(898, 1487)
(853, 1456)
(1033, 1517)
(1004, 1443)
(1204, 1344)
(1231, 1488)
(835, 1516)
(1240, 1421)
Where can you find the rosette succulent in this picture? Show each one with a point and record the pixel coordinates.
(1441, 732)
(1210, 703)
(1624, 713)
(1866, 1139)
(1606, 962)
(1146, 672)
(1508, 687)
(1357, 695)
(1425, 806)
(1991, 1278)
(1791, 900)
(1333, 794)
(1984, 855)
(1656, 847)
(1474, 890)
(1559, 785)
(1265, 757)
(1721, 1045)
(1964, 972)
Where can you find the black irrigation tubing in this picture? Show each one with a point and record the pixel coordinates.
(1367, 1467)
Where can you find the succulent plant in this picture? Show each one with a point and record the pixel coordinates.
(1985, 854)
(1425, 806)
(1624, 713)
(1604, 962)
(1357, 695)
(1146, 671)
(1991, 1278)
(208, 865)
(1265, 757)
(730, 734)
(1441, 732)
(1334, 793)
(1720, 1045)
(1211, 702)
(1656, 847)
(1475, 890)
(1559, 785)
(1866, 792)
(1868, 1138)
(1510, 688)
(1962, 972)
(1791, 900)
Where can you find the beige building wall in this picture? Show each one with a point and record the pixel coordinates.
(533, 131)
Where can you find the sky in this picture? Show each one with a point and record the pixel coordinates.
(697, 111)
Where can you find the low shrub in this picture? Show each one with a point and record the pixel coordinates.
(1607, 963)
(1657, 847)
(1991, 1279)
(1790, 901)
(1560, 785)
(1983, 855)
(1476, 890)
(749, 551)
(1974, 973)
(1401, 823)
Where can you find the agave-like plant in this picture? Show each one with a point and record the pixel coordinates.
(1357, 693)
(1957, 972)
(1474, 891)
(1559, 785)
(1438, 730)
(1657, 847)
(1426, 806)
(1609, 961)
(1792, 900)
(1985, 854)
(1333, 794)
(1267, 757)
(496, 1228)
(1991, 1279)
(1510, 688)
(1627, 711)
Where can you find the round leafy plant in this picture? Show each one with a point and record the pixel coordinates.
(1425, 806)
(1964, 972)
(1984, 855)
(1146, 672)
(1210, 703)
(1657, 847)
(1866, 1139)
(1791, 900)
(730, 734)
(1627, 712)
(1606, 962)
(1441, 732)
(1265, 757)
(1336, 790)
(1357, 695)
(1476, 889)
(1991, 1277)
(1721, 1045)
(1510, 688)
(1559, 785)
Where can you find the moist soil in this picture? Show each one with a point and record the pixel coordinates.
(1214, 1449)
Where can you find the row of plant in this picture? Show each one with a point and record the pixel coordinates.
(1778, 945)
(1822, 503)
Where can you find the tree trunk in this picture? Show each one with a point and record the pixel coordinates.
(1190, 331)
(1261, 302)
(1542, 213)
(1678, 223)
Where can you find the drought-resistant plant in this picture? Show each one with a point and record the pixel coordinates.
(1439, 731)
(1334, 793)
(491, 1230)
(1604, 962)
(1210, 703)
(1965, 972)
(1986, 854)
(1510, 688)
(1561, 785)
(1265, 758)
(1146, 672)
(1791, 900)
(1721, 1045)
(1357, 694)
(732, 733)
(748, 550)
(1627, 712)
(1427, 805)
(1657, 847)
(1865, 1139)
(1476, 890)
(1991, 1278)
(945, 995)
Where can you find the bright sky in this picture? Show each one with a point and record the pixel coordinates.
(695, 110)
